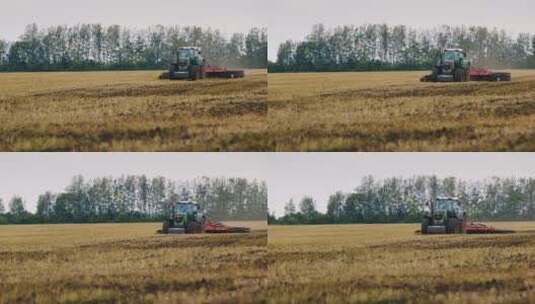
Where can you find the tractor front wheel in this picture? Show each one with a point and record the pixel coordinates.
(165, 227)
(425, 224)
(434, 74)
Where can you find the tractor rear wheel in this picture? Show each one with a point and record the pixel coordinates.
(193, 227)
(458, 76)
(195, 75)
(452, 226)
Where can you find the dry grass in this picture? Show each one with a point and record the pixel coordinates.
(393, 111)
(391, 264)
(131, 111)
(129, 263)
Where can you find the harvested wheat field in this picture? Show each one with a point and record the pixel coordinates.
(394, 111)
(131, 111)
(129, 263)
(392, 264)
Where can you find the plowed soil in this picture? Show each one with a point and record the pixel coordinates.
(130, 263)
(393, 111)
(131, 111)
(393, 264)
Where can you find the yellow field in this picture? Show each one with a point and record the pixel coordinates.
(131, 111)
(394, 111)
(392, 264)
(129, 263)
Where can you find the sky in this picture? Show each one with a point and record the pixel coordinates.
(294, 19)
(31, 174)
(294, 175)
(228, 16)
(288, 175)
(285, 19)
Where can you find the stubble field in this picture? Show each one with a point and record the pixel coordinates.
(394, 111)
(129, 263)
(131, 111)
(392, 264)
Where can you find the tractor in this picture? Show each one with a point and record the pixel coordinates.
(184, 217)
(189, 64)
(444, 216)
(187, 217)
(453, 65)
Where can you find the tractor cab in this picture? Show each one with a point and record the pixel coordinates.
(184, 217)
(447, 207)
(444, 215)
(453, 55)
(187, 56)
(187, 63)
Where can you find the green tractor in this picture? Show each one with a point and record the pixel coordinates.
(184, 217)
(444, 216)
(452, 66)
(187, 64)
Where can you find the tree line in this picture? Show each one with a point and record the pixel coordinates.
(370, 47)
(402, 200)
(114, 47)
(140, 198)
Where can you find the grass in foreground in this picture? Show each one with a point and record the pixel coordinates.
(393, 111)
(131, 111)
(391, 264)
(129, 263)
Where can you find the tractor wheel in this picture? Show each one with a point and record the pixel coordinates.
(434, 75)
(425, 224)
(458, 75)
(194, 227)
(452, 226)
(165, 227)
(460, 226)
(194, 75)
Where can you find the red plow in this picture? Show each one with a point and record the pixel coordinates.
(215, 227)
(213, 71)
(480, 74)
(479, 228)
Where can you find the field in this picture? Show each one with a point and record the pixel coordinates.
(393, 111)
(131, 111)
(392, 264)
(129, 263)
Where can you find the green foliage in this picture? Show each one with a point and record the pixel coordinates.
(139, 198)
(16, 206)
(401, 200)
(373, 47)
(307, 206)
(96, 47)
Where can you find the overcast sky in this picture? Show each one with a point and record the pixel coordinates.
(288, 175)
(31, 174)
(228, 16)
(295, 175)
(294, 19)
